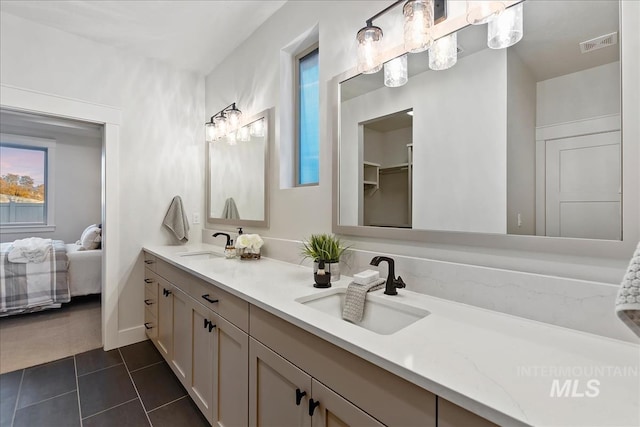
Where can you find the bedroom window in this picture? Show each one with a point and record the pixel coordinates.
(26, 184)
(307, 117)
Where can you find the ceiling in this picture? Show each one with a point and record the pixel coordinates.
(191, 35)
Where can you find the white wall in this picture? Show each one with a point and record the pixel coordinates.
(77, 184)
(161, 147)
(585, 94)
(521, 149)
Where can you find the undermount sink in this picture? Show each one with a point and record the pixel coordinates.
(382, 315)
(199, 255)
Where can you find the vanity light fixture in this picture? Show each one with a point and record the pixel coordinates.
(224, 121)
(419, 19)
(507, 29)
(395, 72)
(481, 12)
(443, 54)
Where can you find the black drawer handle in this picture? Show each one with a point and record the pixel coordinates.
(148, 326)
(209, 324)
(313, 404)
(148, 280)
(206, 297)
(148, 301)
(299, 395)
(149, 261)
(166, 292)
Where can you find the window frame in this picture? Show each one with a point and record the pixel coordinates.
(49, 147)
(296, 104)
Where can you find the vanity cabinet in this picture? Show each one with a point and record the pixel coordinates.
(281, 394)
(206, 351)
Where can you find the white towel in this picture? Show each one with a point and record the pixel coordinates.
(176, 219)
(33, 249)
(230, 210)
(628, 301)
(353, 309)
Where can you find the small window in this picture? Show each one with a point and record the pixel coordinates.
(24, 182)
(307, 118)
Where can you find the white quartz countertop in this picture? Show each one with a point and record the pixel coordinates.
(510, 370)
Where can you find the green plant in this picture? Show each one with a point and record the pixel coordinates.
(325, 247)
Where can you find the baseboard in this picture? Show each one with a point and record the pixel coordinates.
(131, 335)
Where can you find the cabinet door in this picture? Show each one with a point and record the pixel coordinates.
(165, 318)
(230, 375)
(274, 388)
(201, 387)
(151, 305)
(333, 410)
(182, 336)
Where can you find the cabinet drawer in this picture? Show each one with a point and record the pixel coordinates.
(175, 276)
(226, 305)
(150, 261)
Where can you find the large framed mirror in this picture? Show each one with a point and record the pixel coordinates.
(237, 177)
(505, 145)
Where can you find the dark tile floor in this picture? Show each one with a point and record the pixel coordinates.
(130, 386)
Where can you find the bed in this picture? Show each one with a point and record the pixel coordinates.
(67, 271)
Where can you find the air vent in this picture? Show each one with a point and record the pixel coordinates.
(599, 42)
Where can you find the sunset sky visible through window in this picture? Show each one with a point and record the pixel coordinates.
(23, 162)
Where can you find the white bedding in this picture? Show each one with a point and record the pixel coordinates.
(85, 270)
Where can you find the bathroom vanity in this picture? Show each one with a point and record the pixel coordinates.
(253, 345)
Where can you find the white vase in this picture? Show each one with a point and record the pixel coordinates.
(329, 267)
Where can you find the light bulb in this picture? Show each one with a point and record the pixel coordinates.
(221, 125)
(506, 30)
(418, 24)
(395, 72)
(257, 128)
(233, 117)
(444, 52)
(369, 39)
(243, 134)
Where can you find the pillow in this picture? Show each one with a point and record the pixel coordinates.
(91, 238)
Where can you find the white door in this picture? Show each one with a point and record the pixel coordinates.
(583, 188)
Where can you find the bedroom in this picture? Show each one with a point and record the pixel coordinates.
(68, 175)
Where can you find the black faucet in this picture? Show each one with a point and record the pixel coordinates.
(229, 241)
(392, 283)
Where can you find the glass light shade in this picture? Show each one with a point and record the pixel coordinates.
(480, 12)
(443, 53)
(221, 125)
(369, 39)
(506, 30)
(233, 118)
(257, 128)
(209, 132)
(243, 134)
(231, 138)
(418, 24)
(395, 72)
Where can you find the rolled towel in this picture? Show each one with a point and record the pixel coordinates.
(353, 309)
(628, 301)
(176, 219)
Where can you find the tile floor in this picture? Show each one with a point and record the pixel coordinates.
(130, 386)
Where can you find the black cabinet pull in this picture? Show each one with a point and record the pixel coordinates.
(148, 325)
(148, 301)
(313, 404)
(166, 292)
(206, 323)
(299, 395)
(149, 261)
(148, 280)
(206, 297)
(211, 325)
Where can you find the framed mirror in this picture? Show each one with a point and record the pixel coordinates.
(236, 175)
(523, 141)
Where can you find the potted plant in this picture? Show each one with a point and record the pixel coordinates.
(327, 248)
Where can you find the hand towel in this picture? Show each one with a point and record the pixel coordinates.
(628, 301)
(353, 309)
(176, 220)
(230, 210)
(32, 249)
